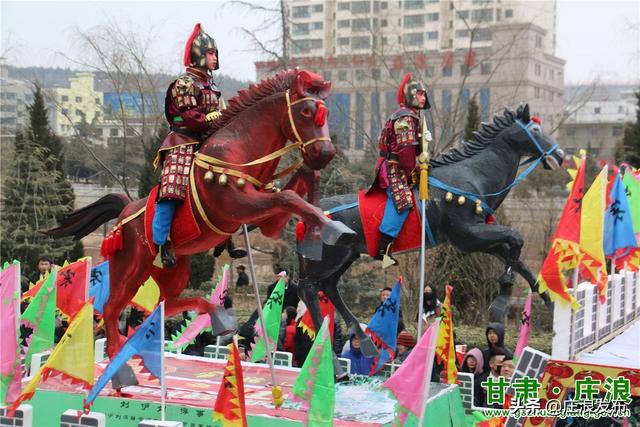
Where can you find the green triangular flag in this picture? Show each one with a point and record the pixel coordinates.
(272, 312)
(41, 313)
(632, 188)
(315, 384)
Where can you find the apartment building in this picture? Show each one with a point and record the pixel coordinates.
(70, 105)
(15, 95)
(499, 52)
(596, 118)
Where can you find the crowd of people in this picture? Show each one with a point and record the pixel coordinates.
(495, 360)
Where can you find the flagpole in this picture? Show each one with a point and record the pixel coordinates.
(427, 376)
(163, 385)
(423, 195)
(263, 324)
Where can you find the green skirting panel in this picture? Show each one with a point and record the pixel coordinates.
(49, 405)
(444, 410)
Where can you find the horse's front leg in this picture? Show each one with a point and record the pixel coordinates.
(481, 237)
(258, 207)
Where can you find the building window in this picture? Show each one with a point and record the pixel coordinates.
(360, 75)
(65, 98)
(317, 25)
(413, 21)
(482, 15)
(431, 17)
(130, 132)
(97, 133)
(464, 69)
(360, 25)
(413, 4)
(482, 35)
(300, 29)
(463, 14)
(343, 41)
(537, 69)
(342, 75)
(538, 41)
(414, 39)
(78, 99)
(384, 23)
(571, 131)
(360, 7)
(508, 13)
(485, 103)
(462, 33)
(384, 5)
(432, 35)
(317, 8)
(428, 72)
(345, 5)
(300, 11)
(620, 109)
(113, 132)
(339, 122)
(65, 112)
(498, 14)
(375, 74)
(446, 100)
(536, 92)
(360, 42)
(447, 71)
(596, 110)
(344, 23)
(485, 68)
(616, 131)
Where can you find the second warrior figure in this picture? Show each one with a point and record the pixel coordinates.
(192, 104)
(396, 169)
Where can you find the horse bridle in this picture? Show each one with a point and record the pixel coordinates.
(535, 142)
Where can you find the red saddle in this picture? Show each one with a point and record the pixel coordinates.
(371, 206)
(184, 226)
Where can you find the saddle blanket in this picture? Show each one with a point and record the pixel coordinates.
(184, 226)
(371, 206)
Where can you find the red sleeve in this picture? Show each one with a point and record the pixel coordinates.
(194, 120)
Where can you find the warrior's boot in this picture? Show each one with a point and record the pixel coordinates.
(231, 248)
(167, 256)
(384, 251)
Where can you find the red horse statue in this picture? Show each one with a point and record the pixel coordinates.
(231, 183)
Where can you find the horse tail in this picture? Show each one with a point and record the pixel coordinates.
(83, 221)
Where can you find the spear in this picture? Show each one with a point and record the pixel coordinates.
(423, 195)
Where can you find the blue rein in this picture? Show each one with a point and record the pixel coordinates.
(474, 197)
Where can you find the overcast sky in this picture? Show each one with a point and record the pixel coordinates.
(597, 38)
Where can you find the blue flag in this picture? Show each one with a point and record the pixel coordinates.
(145, 343)
(99, 286)
(618, 223)
(383, 329)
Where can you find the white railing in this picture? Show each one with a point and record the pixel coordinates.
(593, 324)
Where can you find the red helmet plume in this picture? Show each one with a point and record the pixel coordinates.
(400, 95)
(198, 43)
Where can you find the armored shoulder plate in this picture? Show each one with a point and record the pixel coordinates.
(404, 112)
(184, 85)
(402, 124)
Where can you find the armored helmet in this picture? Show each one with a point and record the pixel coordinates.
(407, 92)
(196, 48)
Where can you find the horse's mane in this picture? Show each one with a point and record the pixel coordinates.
(481, 139)
(247, 98)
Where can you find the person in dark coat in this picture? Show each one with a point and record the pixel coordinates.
(243, 278)
(495, 343)
(405, 344)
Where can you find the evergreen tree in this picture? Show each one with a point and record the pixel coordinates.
(149, 176)
(32, 202)
(629, 148)
(473, 119)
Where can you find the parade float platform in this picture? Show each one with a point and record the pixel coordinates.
(192, 387)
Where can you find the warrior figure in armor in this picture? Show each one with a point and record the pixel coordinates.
(192, 104)
(396, 171)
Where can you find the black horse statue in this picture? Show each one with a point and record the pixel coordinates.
(466, 183)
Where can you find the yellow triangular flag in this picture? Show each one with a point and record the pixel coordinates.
(147, 296)
(73, 356)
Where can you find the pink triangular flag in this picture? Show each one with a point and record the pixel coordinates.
(408, 383)
(525, 327)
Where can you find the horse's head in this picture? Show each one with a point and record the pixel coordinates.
(528, 139)
(306, 121)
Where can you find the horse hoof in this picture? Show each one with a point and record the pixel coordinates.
(498, 310)
(221, 322)
(368, 348)
(335, 233)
